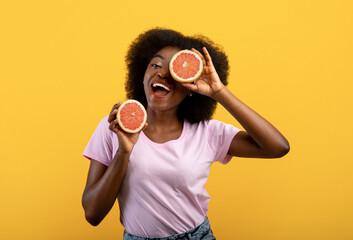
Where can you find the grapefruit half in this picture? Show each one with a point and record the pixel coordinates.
(185, 66)
(132, 116)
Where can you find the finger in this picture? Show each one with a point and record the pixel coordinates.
(116, 106)
(112, 115)
(120, 133)
(114, 125)
(113, 112)
(200, 54)
(191, 86)
(208, 57)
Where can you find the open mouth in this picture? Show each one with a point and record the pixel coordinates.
(160, 89)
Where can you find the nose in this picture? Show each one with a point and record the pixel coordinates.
(164, 73)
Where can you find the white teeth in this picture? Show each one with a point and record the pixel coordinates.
(161, 85)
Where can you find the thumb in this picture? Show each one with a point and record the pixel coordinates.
(190, 86)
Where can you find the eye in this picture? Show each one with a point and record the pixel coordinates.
(155, 65)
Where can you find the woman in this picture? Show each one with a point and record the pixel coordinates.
(158, 174)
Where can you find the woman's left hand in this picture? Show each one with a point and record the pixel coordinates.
(209, 82)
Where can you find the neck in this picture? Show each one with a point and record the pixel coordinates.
(164, 119)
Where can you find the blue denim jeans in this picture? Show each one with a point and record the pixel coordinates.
(202, 232)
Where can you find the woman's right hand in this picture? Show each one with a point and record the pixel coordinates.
(126, 140)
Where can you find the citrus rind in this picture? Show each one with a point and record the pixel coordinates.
(185, 80)
(121, 124)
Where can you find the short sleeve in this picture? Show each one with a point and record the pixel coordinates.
(219, 138)
(100, 146)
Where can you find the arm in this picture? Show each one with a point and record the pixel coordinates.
(102, 187)
(103, 183)
(261, 138)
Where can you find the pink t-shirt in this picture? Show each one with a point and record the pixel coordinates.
(163, 190)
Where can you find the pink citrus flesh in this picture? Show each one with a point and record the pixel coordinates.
(186, 66)
(132, 116)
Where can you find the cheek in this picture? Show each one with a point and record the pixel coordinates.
(145, 77)
(182, 90)
(145, 81)
(146, 88)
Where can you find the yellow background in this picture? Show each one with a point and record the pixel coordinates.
(62, 69)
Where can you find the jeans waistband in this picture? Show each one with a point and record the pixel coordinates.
(185, 235)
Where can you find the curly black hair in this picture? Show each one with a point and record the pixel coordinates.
(193, 109)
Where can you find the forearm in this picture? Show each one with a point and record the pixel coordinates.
(263, 133)
(99, 198)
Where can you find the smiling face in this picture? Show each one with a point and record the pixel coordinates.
(162, 91)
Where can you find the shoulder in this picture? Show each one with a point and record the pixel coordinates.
(210, 125)
(219, 125)
(104, 121)
(102, 130)
(215, 130)
(103, 124)
(212, 130)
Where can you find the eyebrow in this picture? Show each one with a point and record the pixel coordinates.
(158, 56)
